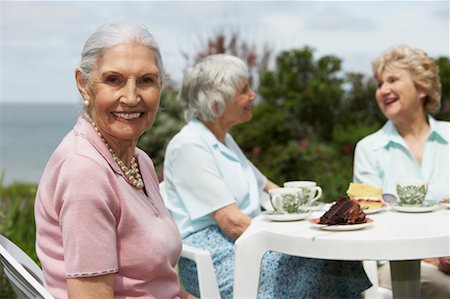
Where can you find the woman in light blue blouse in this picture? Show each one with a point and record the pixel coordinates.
(213, 190)
(412, 145)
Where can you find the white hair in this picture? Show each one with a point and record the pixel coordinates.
(210, 84)
(112, 34)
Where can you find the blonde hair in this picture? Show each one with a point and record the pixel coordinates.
(422, 68)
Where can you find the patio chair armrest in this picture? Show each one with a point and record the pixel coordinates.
(205, 270)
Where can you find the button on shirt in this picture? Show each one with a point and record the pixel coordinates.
(383, 158)
(202, 175)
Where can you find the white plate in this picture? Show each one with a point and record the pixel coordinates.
(445, 204)
(428, 206)
(341, 227)
(373, 211)
(285, 217)
(316, 206)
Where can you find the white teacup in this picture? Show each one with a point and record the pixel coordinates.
(285, 200)
(411, 192)
(308, 190)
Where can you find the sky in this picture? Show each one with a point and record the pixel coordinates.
(41, 41)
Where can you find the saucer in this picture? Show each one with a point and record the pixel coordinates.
(274, 216)
(426, 206)
(340, 227)
(316, 206)
(373, 211)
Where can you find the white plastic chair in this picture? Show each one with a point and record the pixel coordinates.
(376, 291)
(207, 281)
(23, 273)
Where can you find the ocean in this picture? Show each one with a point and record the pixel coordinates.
(29, 133)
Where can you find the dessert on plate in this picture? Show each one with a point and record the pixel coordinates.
(446, 202)
(344, 211)
(368, 197)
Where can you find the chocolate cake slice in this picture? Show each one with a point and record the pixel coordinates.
(344, 211)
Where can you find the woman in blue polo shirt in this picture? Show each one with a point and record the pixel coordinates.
(412, 145)
(213, 190)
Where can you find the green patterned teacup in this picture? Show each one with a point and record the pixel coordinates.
(285, 200)
(308, 191)
(412, 192)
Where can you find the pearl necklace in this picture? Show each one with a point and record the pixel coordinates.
(132, 174)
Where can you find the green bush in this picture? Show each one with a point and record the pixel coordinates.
(306, 123)
(17, 223)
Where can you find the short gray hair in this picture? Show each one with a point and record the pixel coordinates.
(112, 34)
(210, 84)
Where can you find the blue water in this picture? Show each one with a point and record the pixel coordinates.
(29, 133)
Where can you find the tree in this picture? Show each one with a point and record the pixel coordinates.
(308, 90)
(301, 98)
(168, 122)
(308, 120)
(290, 136)
(170, 116)
(359, 113)
(444, 72)
(231, 43)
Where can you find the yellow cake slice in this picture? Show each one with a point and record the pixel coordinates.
(368, 197)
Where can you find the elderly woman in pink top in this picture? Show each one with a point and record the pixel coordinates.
(102, 228)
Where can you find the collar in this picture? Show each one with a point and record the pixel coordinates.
(390, 134)
(208, 136)
(85, 129)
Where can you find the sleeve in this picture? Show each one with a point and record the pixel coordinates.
(195, 179)
(260, 178)
(364, 166)
(86, 205)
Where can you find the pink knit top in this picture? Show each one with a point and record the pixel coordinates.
(90, 221)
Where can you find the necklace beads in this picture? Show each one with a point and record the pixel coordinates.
(132, 174)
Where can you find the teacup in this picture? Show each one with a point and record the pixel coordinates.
(411, 192)
(308, 190)
(285, 200)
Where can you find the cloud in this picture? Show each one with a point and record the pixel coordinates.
(42, 41)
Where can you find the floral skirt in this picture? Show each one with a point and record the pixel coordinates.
(282, 276)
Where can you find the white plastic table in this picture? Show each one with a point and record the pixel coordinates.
(401, 238)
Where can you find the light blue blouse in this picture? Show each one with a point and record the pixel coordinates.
(383, 158)
(202, 175)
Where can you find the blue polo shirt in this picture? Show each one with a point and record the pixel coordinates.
(202, 175)
(383, 158)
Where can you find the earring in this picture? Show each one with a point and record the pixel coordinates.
(86, 103)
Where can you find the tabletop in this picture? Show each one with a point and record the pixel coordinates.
(391, 236)
(399, 237)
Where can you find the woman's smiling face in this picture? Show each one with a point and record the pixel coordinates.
(124, 92)
(397, 96)
(239, 110)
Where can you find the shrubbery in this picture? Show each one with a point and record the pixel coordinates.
(306, 122)
(17, 223)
